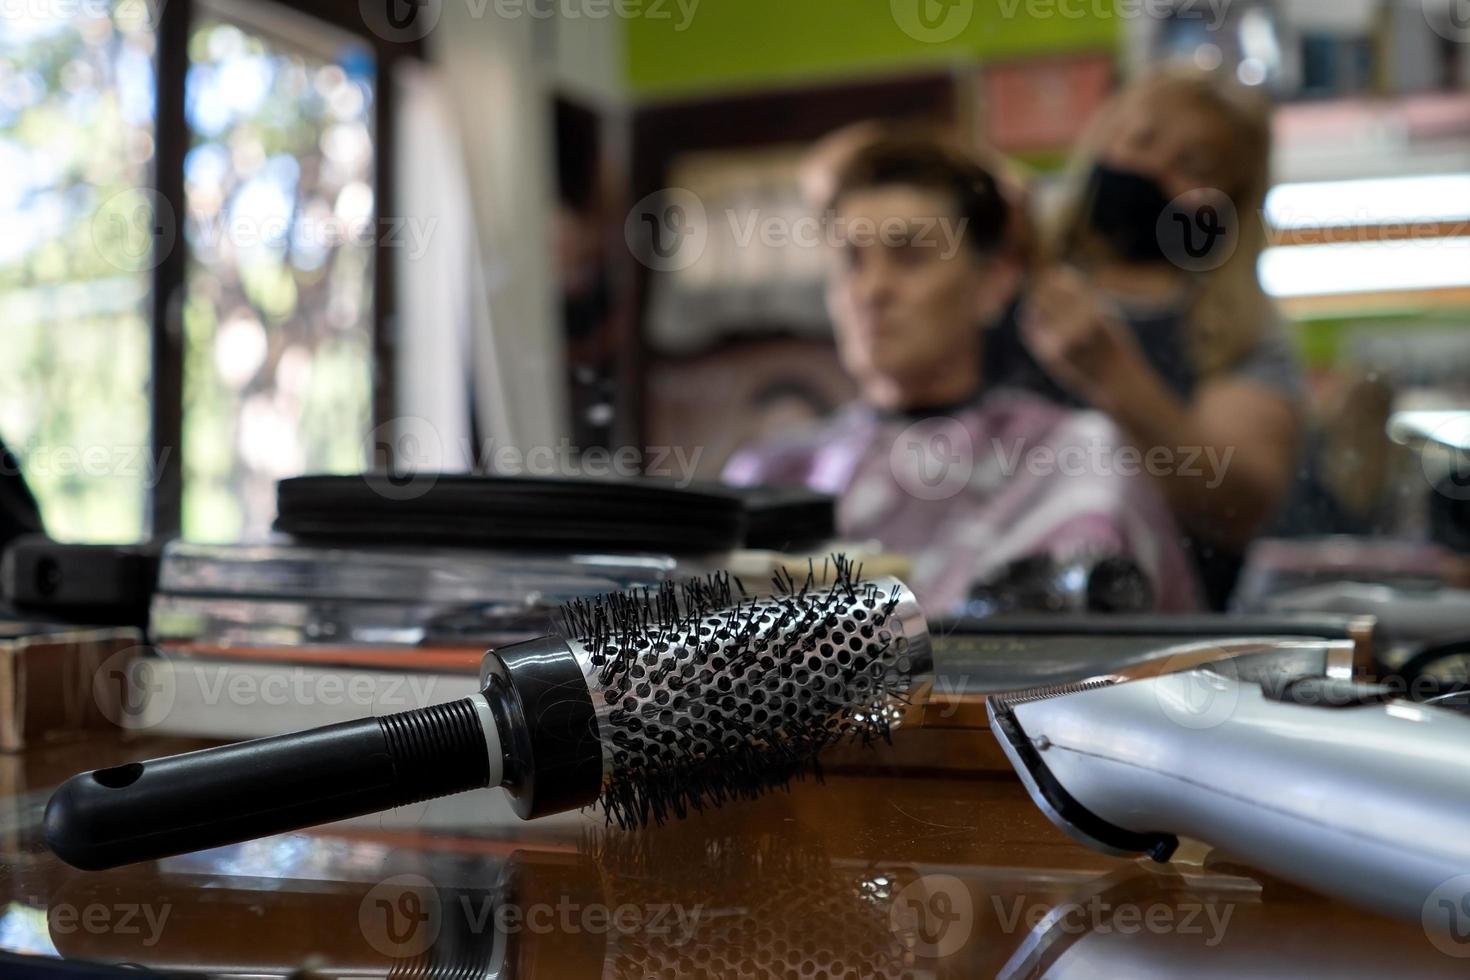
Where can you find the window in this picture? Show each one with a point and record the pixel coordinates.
(76, 147)
(278, 309)
(262, 366)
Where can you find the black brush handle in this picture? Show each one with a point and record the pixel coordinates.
(146, 810)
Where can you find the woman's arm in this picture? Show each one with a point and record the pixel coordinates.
(1225, 461)
(1243, 437)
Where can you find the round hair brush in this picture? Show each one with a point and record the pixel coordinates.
(651, 704)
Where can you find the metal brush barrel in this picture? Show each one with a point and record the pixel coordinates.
(662, 670)
(731, 701)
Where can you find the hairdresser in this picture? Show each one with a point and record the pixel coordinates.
(1147, 306)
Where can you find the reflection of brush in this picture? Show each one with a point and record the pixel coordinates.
(655, 704)
(750, 906)
(757, 907)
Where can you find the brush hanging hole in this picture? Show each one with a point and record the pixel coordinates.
(118, 777)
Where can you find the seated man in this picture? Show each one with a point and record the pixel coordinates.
(927, 463)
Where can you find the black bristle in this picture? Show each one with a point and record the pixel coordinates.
(695, 747)
(623, 618)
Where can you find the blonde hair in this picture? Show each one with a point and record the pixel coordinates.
(1231, 310)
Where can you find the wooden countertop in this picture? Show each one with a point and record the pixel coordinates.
(860, 875)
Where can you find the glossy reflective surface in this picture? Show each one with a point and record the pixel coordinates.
(859, 876)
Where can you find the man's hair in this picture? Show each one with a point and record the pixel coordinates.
(931, 165)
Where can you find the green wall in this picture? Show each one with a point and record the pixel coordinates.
(1321, 341)
(721, 45)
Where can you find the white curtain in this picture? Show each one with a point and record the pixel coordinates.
(443, 333)
(497, 91)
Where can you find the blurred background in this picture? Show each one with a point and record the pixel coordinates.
(245, 241)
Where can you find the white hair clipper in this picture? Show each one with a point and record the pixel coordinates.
(1324, 782)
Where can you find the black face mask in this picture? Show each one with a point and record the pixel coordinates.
(1123, 209)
